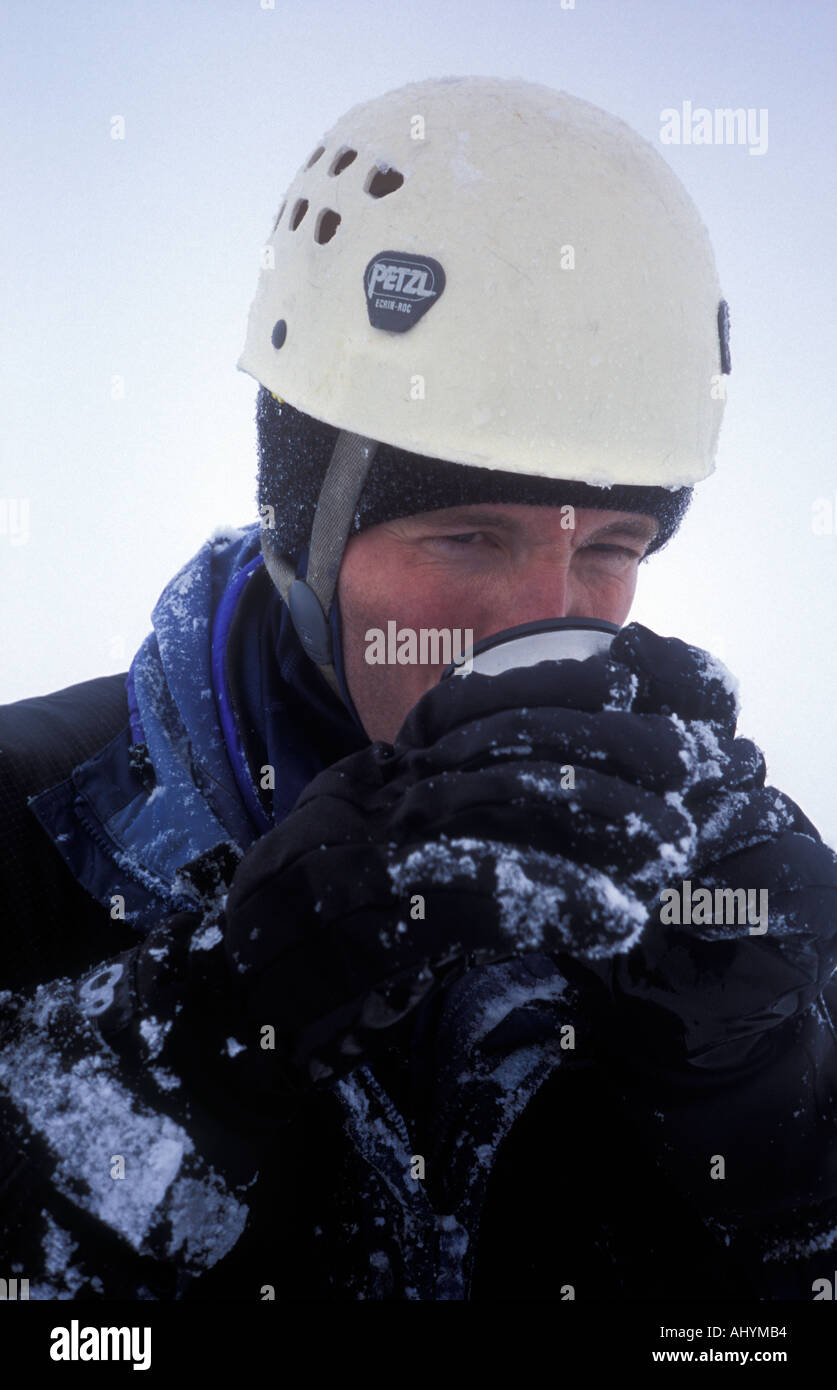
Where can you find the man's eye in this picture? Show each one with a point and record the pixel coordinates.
(464, 539)
(621, 550)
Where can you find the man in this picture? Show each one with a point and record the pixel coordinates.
(380, 985)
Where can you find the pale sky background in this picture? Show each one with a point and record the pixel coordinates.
(140, 257)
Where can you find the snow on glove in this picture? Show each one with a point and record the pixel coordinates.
(728, 982)
(541, 810)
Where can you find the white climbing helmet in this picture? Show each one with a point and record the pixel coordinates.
(497, 274)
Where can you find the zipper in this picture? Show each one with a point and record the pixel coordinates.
(119, 860)
(394, 1116)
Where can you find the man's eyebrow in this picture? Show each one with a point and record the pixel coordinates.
(640, 530)
(466, 517)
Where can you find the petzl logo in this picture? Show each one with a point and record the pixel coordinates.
(400, 288)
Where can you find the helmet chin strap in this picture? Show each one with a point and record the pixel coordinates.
(309, 600)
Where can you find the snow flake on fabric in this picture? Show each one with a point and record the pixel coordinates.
(58, 1248)
(549, 787)
(227, 535)
(437, 861)
(713, 669)
(525, 907)
(153, 1034)
(817, 1241)
(531, 892)
(206, 939)
(87, 1116)
(165, 1079)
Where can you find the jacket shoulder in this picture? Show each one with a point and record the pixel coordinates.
(49, 924)
(44, 737)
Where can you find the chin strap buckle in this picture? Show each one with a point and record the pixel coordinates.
(310, 621)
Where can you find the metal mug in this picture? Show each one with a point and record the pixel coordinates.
(552, 639)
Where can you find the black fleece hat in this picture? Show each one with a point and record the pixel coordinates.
(295, 450)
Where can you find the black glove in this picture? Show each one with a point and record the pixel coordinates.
(541, 810)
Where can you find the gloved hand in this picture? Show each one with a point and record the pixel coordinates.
(541, 810)
(725, 984)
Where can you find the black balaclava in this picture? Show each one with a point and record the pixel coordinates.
(295, 450)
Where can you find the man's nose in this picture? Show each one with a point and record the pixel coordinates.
(538, 592)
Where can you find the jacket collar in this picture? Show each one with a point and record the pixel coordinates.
(222, 677)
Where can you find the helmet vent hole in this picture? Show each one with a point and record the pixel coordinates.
(279, 216)
(300, 209)
(327, 224)
(319, 151)
(382, 182)
(344, 158)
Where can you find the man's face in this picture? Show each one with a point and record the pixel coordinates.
(483, 567)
